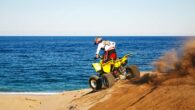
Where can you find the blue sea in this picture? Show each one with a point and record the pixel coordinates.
(55, 64)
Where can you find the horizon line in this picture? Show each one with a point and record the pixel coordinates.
(97, 35)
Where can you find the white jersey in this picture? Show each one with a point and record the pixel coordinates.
(106, 45)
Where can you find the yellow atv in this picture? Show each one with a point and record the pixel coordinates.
(110, 71)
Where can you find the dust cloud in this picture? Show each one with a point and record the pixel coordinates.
(181, 63)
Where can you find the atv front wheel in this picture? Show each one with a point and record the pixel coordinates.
(108, 80)
(95, 83)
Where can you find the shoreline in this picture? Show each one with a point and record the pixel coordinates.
(30, 93)
(53, 92)
(37, 92)
(41, 93)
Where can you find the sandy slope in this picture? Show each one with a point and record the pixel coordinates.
(173, 94)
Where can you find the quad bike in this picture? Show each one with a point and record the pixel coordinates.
(109, 72)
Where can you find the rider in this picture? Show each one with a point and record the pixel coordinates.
(108, 47)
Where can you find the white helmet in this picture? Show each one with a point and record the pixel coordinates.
(98, 39)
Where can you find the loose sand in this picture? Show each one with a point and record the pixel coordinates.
(172, 94)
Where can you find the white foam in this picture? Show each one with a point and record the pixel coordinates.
(29, 93)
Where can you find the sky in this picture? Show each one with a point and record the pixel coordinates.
(97, 17)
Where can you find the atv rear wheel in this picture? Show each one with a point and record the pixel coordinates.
(133, 72)
(95, 83)
(108, 80)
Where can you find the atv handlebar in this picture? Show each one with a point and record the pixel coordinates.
(98, 57)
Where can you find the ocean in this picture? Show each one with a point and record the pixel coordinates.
(56, 63)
